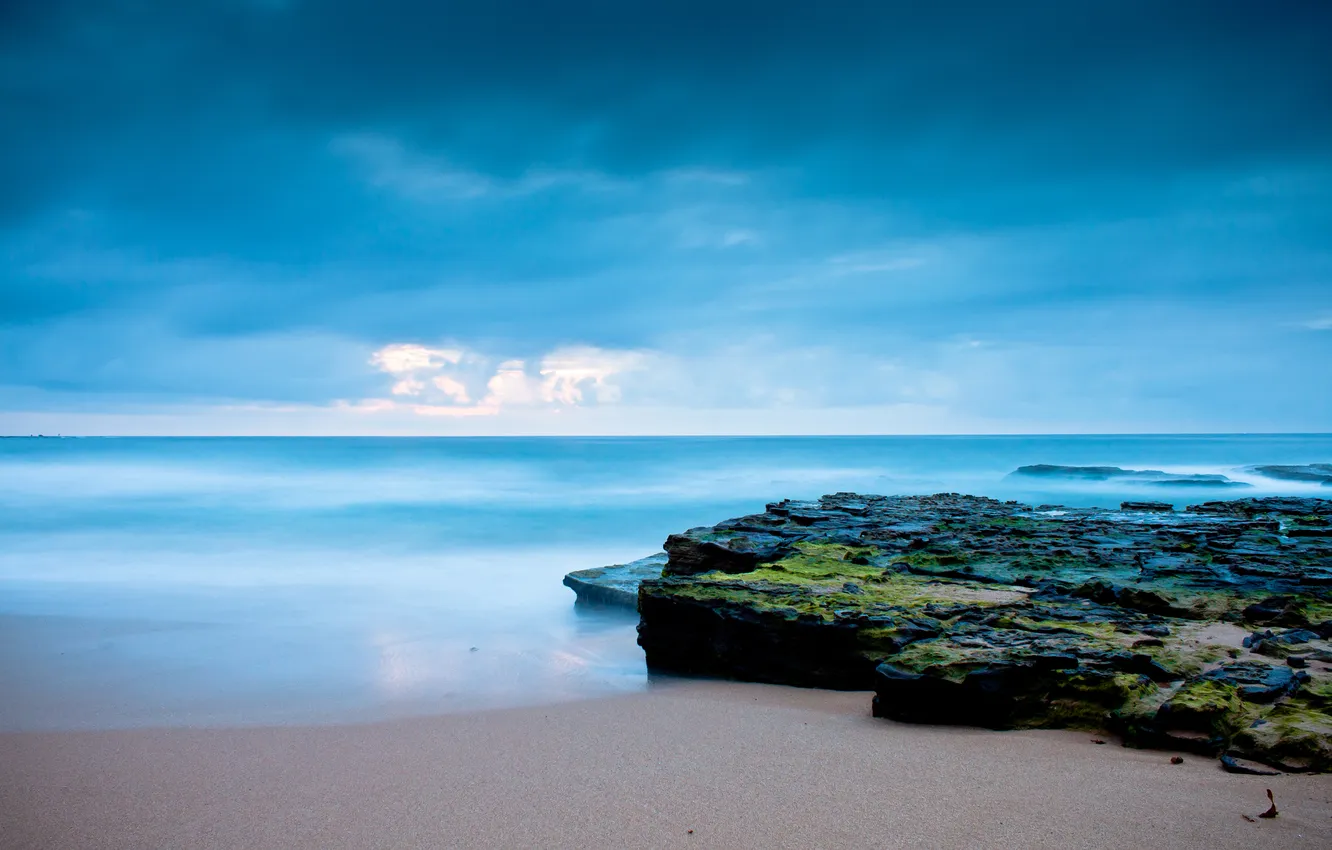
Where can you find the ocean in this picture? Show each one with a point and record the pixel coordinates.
(190, 582)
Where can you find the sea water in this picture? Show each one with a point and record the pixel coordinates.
(257, 581)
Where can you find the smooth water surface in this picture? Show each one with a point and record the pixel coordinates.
(243, 581)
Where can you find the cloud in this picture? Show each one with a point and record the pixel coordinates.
(1323, 323)
(215, 204)
(403, 358)
(565, 377)
(408, 386)
(568, 373)
(512, 385)
(451, 387)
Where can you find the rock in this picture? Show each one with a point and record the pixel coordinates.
(1315, 472)
(1127, 476)
(615, 585)
(1158, 507)
(1256, 682)
(1277, 610)
(1002, 693)
(1233, 765)
(728, 553)
(1195, 481)
(1287, 508)
(1088, 473)
(961, 609)
(1278, 644)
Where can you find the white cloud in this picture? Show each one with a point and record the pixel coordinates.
(566, 373)
(1323, 323)
(511, 385)
(402, 358)
(408, 386)
(452, 388)
(437, 379)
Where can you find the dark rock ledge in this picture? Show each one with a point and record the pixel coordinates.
(1208, 630)
(616, 585)
(1320, 473)
(1153, 477)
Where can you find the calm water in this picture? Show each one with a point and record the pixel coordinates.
(240, 581)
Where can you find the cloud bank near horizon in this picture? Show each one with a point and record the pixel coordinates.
(338, 216)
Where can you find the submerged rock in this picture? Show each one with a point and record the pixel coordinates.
(1320, 473)
(1126, 476)
(1171, 628)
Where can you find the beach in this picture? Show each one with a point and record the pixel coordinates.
(362, 643)
(740, 765)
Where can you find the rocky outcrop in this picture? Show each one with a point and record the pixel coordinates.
(1319, 473)
(616, 585)
(1206, 629)
(1126, 476)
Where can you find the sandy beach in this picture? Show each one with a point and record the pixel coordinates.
(740, 765)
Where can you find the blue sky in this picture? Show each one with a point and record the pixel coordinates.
(343, 216)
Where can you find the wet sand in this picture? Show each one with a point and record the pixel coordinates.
(740, 765)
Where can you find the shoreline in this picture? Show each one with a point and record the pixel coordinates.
(742, 765)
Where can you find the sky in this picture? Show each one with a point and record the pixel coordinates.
(592, 217)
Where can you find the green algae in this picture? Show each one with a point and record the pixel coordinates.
(1318, 692)
(1316, 610)
(761, 597)
(1084, 701)
(1102, 631)
(1210, 706)
(1009, 522)
(813, 579)
(1185, 659)
(770, 590)
(814, 563)
(1295, 732)
(938, 655)
(1141, 709)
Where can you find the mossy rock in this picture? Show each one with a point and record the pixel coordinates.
(1295, 735)
(968, 610)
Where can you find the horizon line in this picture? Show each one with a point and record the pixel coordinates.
(657, 436)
